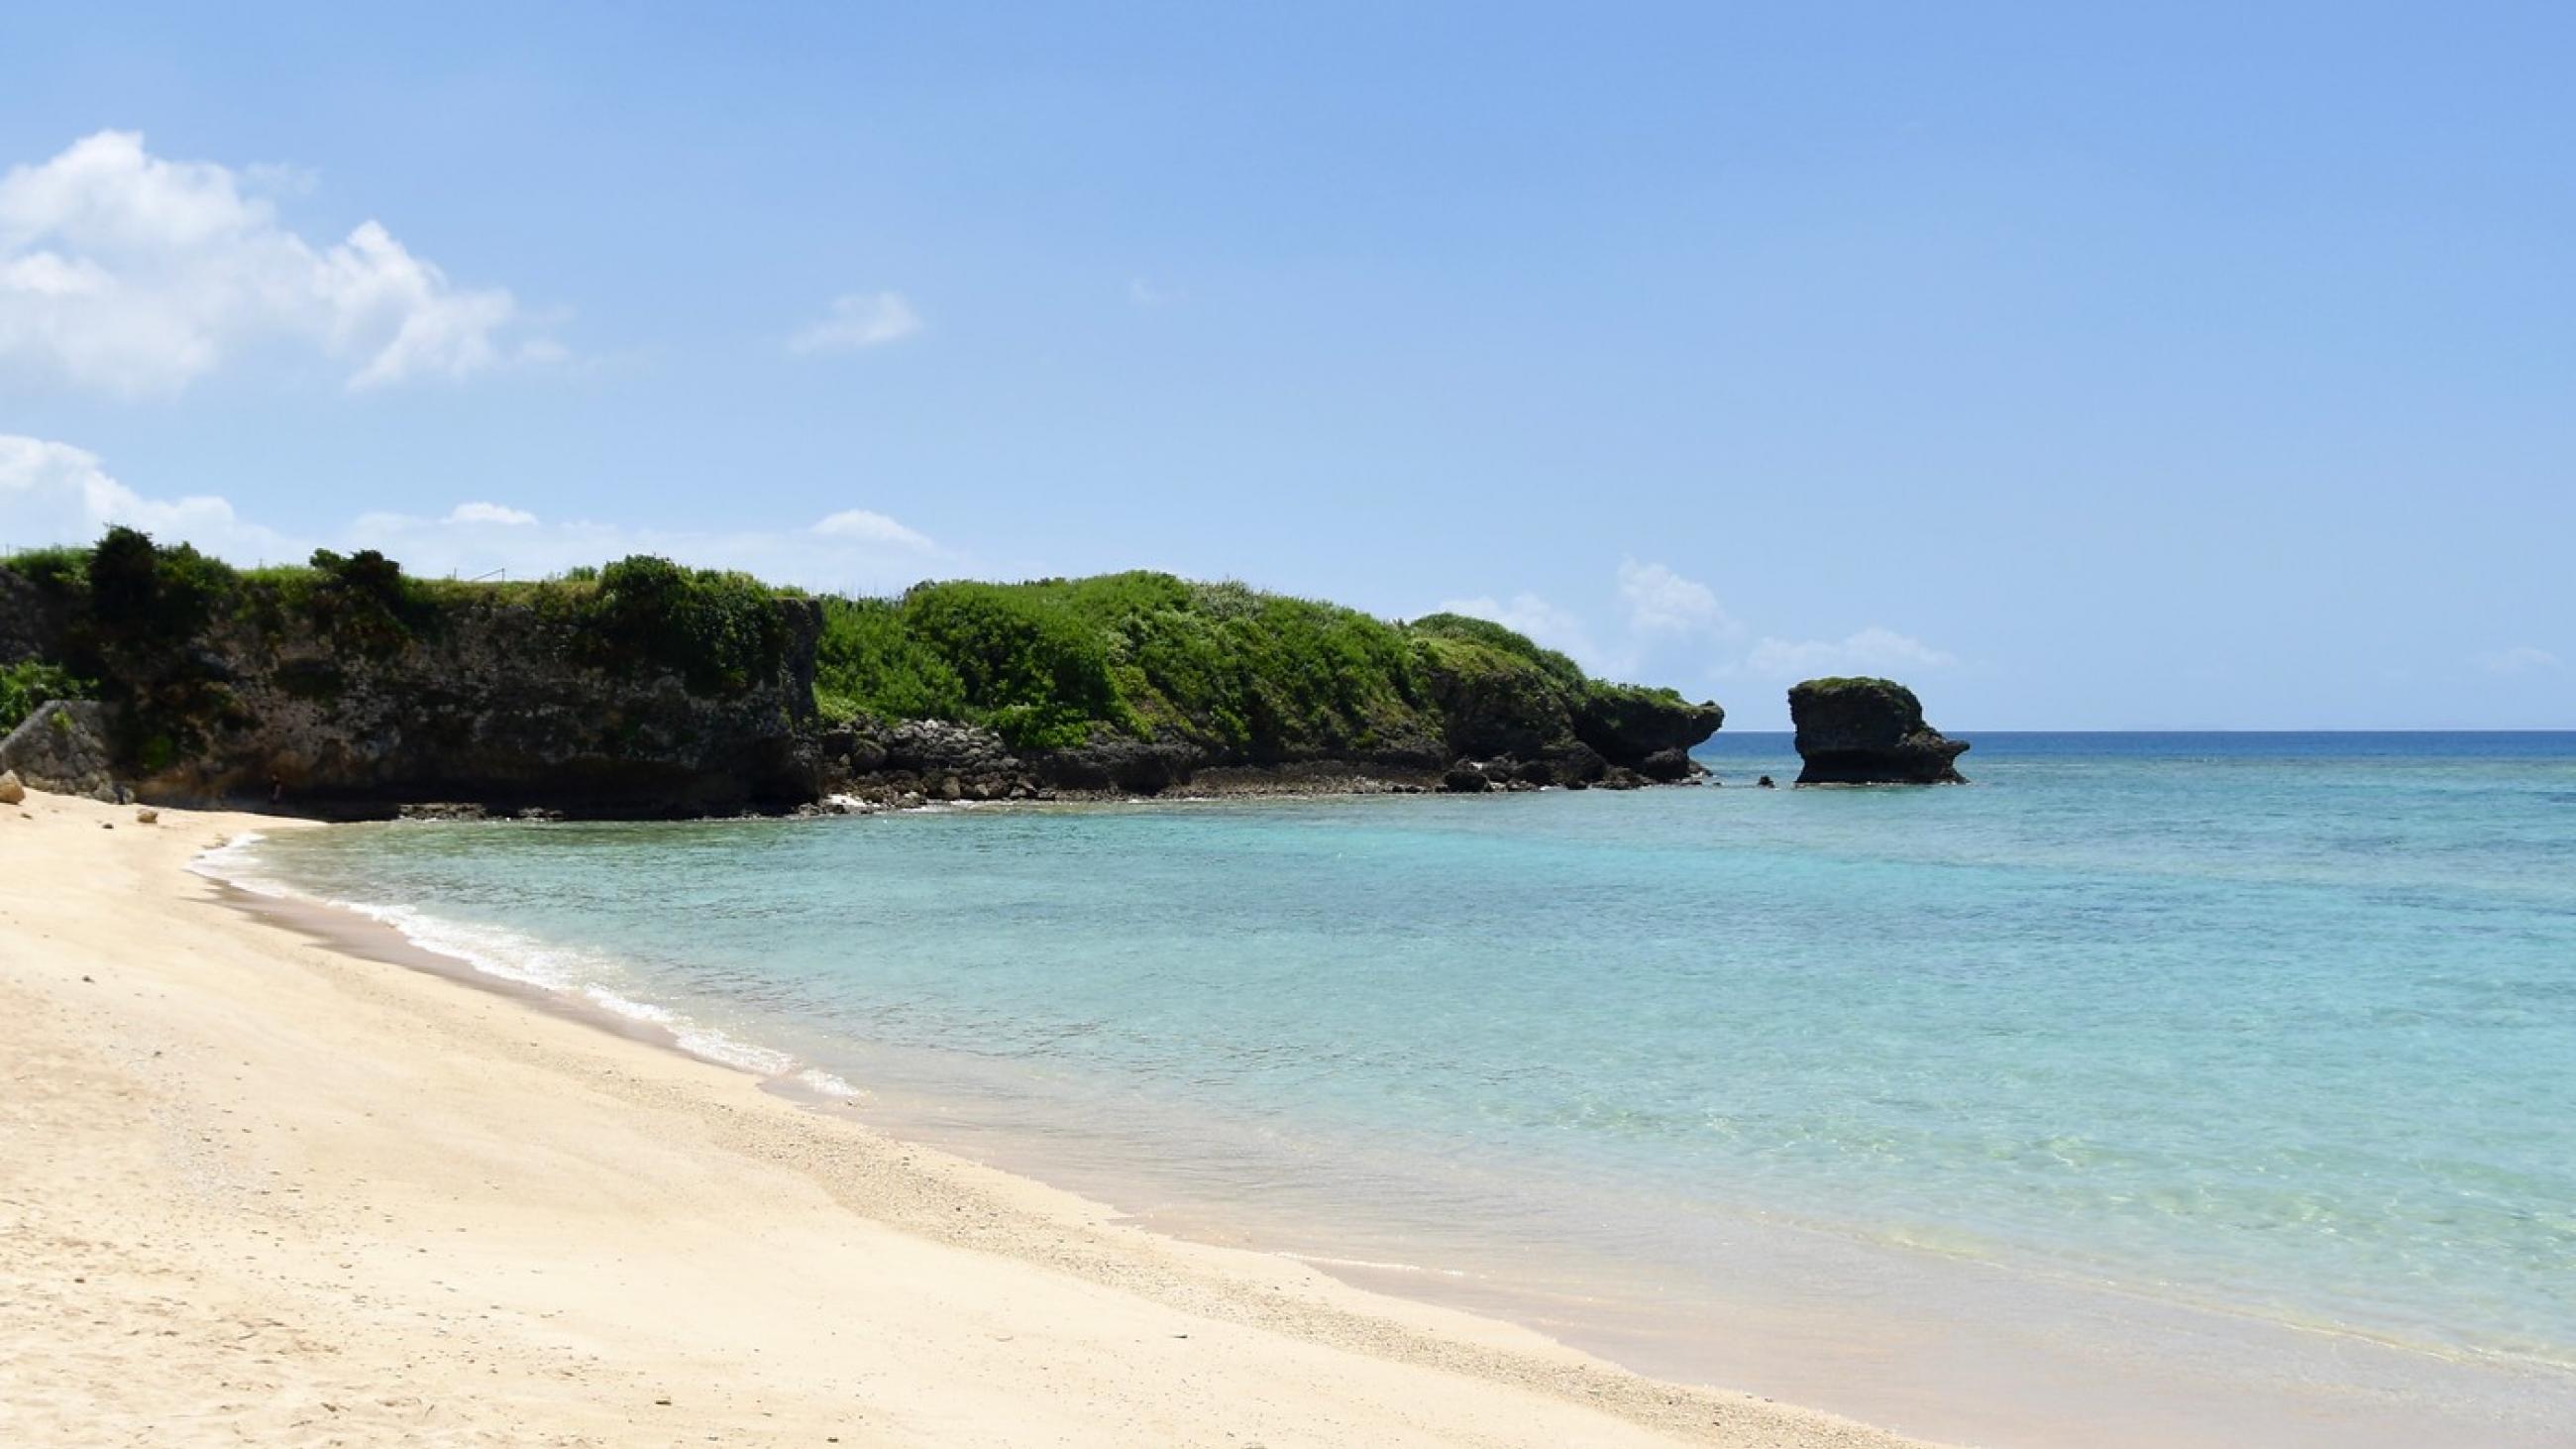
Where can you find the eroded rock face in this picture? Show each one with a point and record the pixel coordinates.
(1631, 726)
(1869, 732)
(30, 628)
(62, 748)
(500, 706)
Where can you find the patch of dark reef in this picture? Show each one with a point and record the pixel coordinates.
(349, 689)
(1865, 731)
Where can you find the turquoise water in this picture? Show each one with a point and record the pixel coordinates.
(2285, 1024)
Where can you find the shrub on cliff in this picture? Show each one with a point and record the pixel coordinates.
(59, 570)
(1247, 675)
(1228, 666)
(1050, 663)
(363, 602)
(148, 599)
(1501, 644)
(722, 632)
(27, 684)
(867, 662)
(1029, 666)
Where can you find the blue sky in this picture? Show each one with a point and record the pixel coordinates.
(2188, 367)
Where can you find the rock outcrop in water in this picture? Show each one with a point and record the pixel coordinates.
(1869, 732)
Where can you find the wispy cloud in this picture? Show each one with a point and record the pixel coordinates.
(1668, 622)
(2517, 659)
(1145, 294)
(856, 320)
(55, 493)
(860, 525)
(131, 274)
(1529, 614)
(1661, 601)
(1871, 648)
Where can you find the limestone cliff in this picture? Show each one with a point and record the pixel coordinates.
(348, 688)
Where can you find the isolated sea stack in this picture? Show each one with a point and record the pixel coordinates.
(1869, 732)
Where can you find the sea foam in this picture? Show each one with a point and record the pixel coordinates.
(591, 977)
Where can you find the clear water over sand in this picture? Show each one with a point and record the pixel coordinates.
(2161, 1042)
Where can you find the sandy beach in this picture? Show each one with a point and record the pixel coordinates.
(255, 1188)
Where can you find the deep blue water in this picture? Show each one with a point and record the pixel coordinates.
(2281, 1022)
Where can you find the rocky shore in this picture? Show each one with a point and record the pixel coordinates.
(349, 691)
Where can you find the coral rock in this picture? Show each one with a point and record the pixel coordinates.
(1869, 732)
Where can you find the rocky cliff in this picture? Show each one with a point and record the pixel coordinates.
(502, 703)
(1139, 682)
(648, 689)
(31, 623)
(348, 690)
(1868, 732)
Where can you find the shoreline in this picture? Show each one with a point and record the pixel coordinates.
(261, 1185)
(2237, 1368)
(2234, 1364)
(1320, 780)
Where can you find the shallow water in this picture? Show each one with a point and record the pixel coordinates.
(2279, 1025)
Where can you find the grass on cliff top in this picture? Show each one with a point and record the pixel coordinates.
(1050, 663)
(1058, 662)
(1053, 662)
(1839, 685)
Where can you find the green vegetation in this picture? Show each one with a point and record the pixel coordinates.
(1057, 662)
(1857, 686)
(51, 569)
(1053, 663)
(868, 663)
(26, 685)
(722, 632)
(1261, 677)
(1500, 644)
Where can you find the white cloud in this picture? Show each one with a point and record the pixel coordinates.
(863, 526)
(1145, 294)
(2517, 659)
(1529, 614)
(56, 493)
(1663, 602)
(1871, 648)
(132, 274)
(856, 320)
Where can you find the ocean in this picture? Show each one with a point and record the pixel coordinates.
(2207, 1070)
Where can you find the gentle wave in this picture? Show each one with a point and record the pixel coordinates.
(517, 957)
